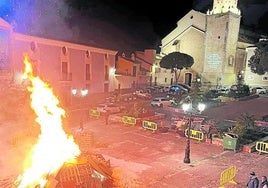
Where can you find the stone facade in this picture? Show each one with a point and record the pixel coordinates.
(213, 40)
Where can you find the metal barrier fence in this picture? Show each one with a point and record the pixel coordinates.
(149, 125)
(194, 134)
(129, 120)
(227, 176)
(94, 113)
(262, 147)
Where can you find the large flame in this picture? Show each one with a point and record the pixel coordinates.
(54, 147)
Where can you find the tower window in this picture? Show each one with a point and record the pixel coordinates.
(231, 60)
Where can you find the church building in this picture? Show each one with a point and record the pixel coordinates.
(215, 42)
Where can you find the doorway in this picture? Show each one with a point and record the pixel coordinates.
(188, 79)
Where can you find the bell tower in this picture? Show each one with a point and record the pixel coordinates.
(223, 6)
(222, 30)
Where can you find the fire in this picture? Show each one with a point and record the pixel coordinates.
(54, 147)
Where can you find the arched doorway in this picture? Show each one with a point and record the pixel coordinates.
(188, 79)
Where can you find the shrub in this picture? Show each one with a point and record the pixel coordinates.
(243, 123)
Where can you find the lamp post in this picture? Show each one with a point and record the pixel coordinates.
(78, 93)
(188, 107)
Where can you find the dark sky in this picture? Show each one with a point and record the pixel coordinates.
(163, 16)
(117, 24)
(146, 22)
(113, 24)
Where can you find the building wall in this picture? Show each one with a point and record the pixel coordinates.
(134, 72)
(146, 58)
(161, 76)
(192, 44)
(125, 82)
(191, 19)
(241, 56)
(124, 66)
(220, 46)
(47, 58)
(187, 39)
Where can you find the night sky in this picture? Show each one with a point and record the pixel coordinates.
(113, 24)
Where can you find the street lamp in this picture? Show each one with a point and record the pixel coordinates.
(84, 92)
(78, 93)
(188, 108)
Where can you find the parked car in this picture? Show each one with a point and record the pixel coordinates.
(211, 94)
(111, 107)
(258, 90)
(185, 86)
(178, 88)
(239, 90)
(223, 90)
(142, 95)
(160, 102)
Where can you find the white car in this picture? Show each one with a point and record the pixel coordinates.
(142, 95)
(258, 90)
(112, 108)
(160, 102)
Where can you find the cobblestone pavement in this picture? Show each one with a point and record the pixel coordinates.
(142, 158)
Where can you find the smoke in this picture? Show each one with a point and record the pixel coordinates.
(93, 23)
(41, 18)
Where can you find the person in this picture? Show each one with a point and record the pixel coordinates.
(264, 182)
(253, 181)
(106, 114)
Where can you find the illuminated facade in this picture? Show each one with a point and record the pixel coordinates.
(213, 41)
(64, 65)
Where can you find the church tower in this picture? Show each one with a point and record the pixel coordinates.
(223, 6)
(221, 36)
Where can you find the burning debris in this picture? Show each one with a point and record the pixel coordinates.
(90, 171)
(56, 160)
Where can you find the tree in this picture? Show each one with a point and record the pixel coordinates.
(176, 61)
(258, 63)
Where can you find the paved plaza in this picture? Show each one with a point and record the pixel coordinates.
(142, 158)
